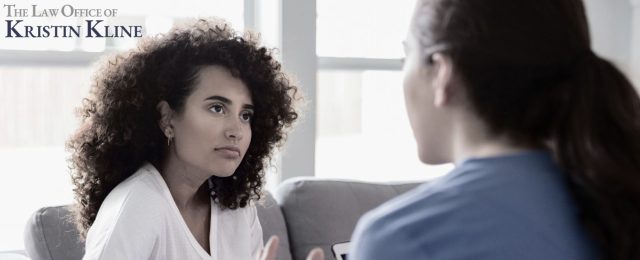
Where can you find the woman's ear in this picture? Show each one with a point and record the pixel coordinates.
(166, 116)
(442, 81)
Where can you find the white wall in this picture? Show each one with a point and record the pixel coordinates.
(635, 42)
(615, 32)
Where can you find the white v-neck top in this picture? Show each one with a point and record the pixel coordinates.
(140, 220)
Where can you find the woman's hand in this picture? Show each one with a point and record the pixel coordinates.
(271, 250)
(316, 254)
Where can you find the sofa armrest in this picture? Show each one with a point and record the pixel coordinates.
(51, 234)
(273, 223)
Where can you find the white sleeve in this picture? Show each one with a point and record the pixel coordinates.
(257, 242)
(122, 232)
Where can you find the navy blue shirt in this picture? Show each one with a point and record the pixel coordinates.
(507, 207)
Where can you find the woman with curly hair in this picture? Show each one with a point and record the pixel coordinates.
(176, 135)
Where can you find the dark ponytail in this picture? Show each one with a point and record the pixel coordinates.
(599, 147)
(530, 75)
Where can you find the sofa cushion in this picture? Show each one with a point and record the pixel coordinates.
(323, 212)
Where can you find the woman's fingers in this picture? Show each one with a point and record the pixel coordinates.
(316, 254)
(270, 249)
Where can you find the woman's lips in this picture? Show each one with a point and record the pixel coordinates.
(228, 152)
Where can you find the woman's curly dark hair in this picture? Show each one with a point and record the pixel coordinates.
(120, 121)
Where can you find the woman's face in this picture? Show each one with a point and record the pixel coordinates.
(430, 123)
(213, 132)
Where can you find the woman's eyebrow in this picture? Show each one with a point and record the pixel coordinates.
(221, 99)
(227, 101)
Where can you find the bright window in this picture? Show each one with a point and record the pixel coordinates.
(362, 28)
(363, 129)
(37, 110)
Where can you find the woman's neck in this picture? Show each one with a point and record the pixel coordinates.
(188, 186)
(472, 139)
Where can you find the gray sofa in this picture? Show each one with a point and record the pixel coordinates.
(303, 212)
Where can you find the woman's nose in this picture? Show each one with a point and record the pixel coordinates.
(234, 131)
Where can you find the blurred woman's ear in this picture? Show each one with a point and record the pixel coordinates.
(442, 80)
(166, 114)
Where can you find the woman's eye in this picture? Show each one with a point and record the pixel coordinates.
(217, 108)
(246, 116)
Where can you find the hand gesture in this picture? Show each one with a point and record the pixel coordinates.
(271, 250)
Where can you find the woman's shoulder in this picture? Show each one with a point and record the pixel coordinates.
(132, 213)
(492, 203)
(481, 192)
(426, 204)
(142, 184)
(138, 197)
(406, 225)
